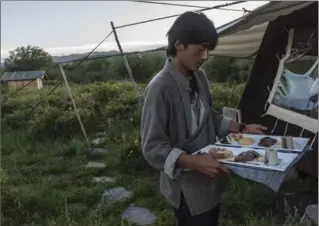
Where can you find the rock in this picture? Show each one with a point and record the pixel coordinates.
(116, 194)
(311, 215)
(138, 215)
(95, 165)
(98, 151)
(104, 179)
(98, 141)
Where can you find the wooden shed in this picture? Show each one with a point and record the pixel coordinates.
(17, 79)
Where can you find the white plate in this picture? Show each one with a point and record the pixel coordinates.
(285, 158)
(299, 142)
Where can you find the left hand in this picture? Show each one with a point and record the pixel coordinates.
(254, 129)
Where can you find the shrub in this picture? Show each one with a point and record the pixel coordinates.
(103, 104)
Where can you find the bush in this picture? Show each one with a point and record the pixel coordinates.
(131, 157)
(97, 103)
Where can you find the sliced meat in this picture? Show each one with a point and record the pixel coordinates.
(246, 156)
(267, 142)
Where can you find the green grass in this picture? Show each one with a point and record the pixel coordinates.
(44, 181)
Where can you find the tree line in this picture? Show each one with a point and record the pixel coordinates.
(144, 66)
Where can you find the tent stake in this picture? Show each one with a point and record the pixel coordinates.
(127, 66)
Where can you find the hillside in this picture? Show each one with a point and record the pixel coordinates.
(75, 56)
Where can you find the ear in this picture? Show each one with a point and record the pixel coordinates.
(179, 46)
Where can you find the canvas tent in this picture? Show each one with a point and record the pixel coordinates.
(273, 35)
(242, 38)
(266, 35)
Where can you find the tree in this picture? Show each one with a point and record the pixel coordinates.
(28, 58)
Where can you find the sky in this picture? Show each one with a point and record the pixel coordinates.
(66, 27)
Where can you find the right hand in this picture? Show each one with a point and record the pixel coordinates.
(208, 165)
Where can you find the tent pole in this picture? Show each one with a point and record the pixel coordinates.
(74, 105)
(127, 66)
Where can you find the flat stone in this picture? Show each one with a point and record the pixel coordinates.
(116, 194)
(138, 215)
(104, 179)
(98, 151)
(98, 141)
(95, 165)
(312, 213)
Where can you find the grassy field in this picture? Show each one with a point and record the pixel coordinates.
(44, 181)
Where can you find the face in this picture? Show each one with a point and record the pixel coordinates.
(192, 56)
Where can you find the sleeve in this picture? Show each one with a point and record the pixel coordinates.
(221, 123)
(156, 146)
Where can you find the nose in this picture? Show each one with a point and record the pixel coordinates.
(205, 54)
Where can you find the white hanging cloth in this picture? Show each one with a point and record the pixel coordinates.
(299, 87)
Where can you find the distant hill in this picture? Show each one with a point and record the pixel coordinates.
(72, 57)
(77, 56)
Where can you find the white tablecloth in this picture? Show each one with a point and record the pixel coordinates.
(272, 179)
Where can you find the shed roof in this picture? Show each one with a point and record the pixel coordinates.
(22, 75)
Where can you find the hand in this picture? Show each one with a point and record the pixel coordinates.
(254, 129)
(208, 165)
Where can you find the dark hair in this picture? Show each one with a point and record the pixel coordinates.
(191, 28)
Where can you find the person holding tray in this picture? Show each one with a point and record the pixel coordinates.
(178, 119)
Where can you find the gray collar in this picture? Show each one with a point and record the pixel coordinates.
(181, 80)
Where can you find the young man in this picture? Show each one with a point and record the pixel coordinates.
(178, 119)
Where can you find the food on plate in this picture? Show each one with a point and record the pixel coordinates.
(241, 139)
(236, 136)
(247, 156)
(246, 141)
(221, 153)
(267, 142)
(261, 158)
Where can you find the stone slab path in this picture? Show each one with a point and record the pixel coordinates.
(117, 194)
(134, 214)
(98, 151)
(98, 141)
(104, 179)
(95, 165)
(138, 215)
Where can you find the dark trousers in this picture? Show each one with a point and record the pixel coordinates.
(184, 217)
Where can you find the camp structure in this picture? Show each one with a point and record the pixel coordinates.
(18, 79)
(277, 36)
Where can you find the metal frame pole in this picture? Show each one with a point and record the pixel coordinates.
(74, 105)
(128, 68)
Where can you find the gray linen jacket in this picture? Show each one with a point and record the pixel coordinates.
(166, 134)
